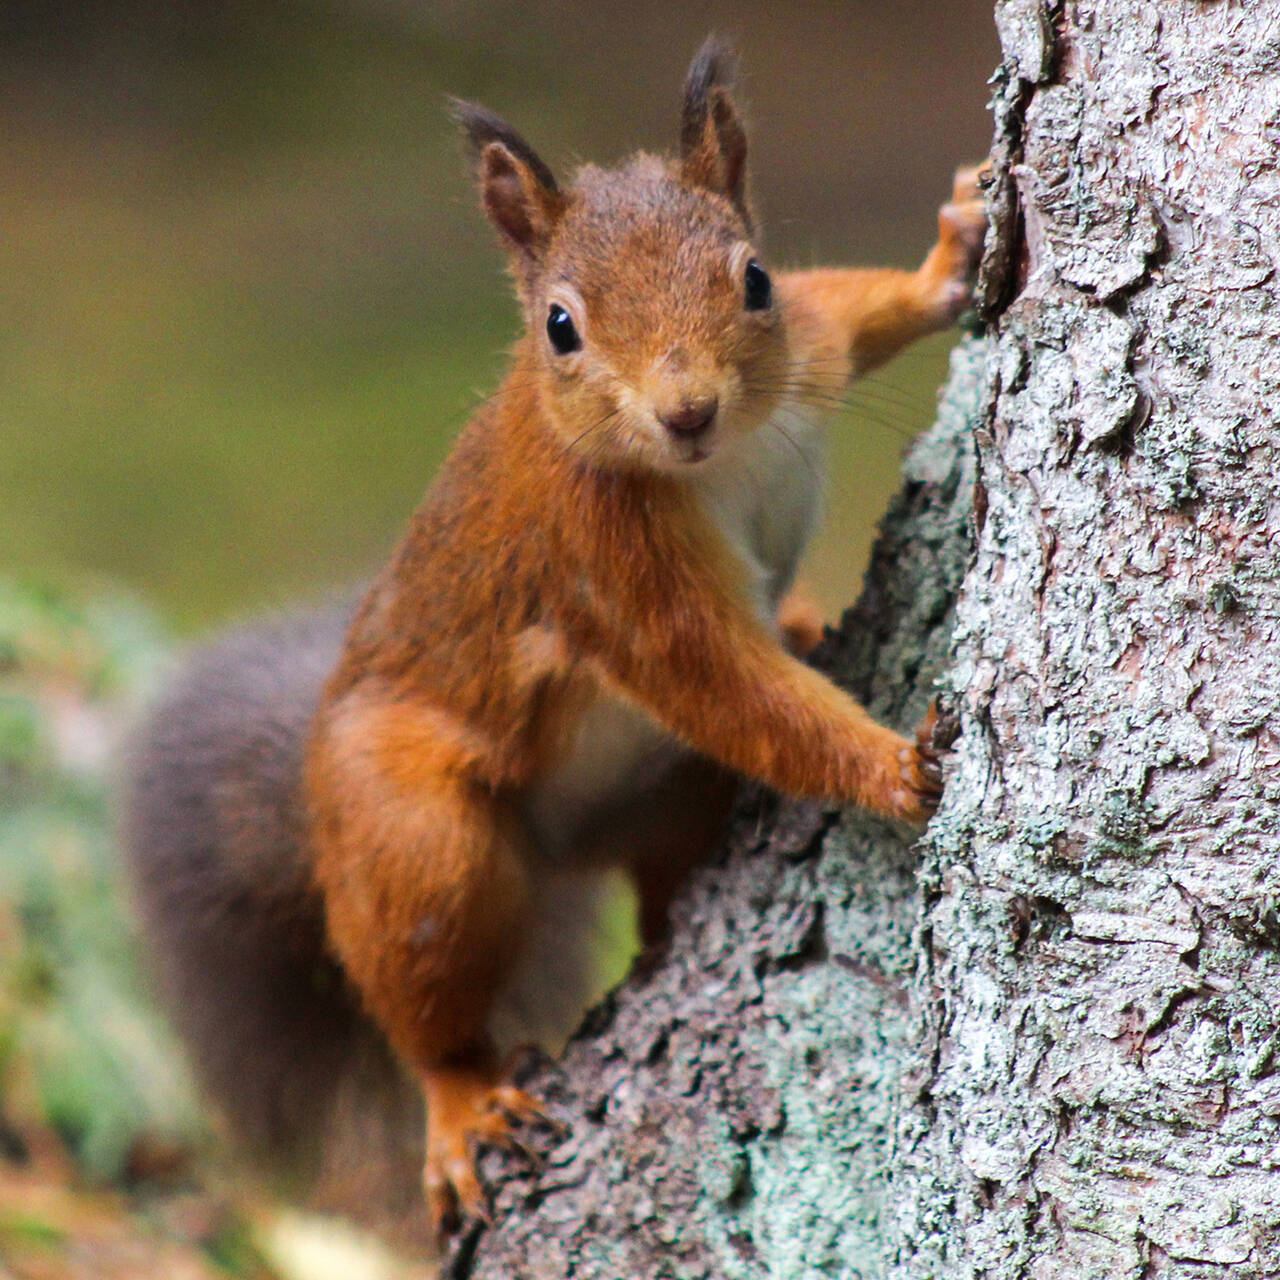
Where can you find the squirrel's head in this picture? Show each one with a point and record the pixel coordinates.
(654, 329)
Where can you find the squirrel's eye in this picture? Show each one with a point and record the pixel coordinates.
(757, 288)
(560, 329)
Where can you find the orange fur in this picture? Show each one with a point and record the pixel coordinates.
(800, 621)
(561, 564)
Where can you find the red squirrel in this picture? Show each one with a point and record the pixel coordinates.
(576, 649)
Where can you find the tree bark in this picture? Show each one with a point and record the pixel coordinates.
(1048, 1049)
(1099, 976)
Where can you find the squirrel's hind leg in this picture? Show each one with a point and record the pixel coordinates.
(800, 621)
(469, 1103)
(428, 902)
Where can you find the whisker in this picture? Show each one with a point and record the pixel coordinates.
(901, 423)
(839, 364)
(595, 426)
(830, 483)
(795, 381)
(870, 387)
(791, 440)
(905, 415)
(889, 393)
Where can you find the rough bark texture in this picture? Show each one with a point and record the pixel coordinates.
(1058, 1057)
(1100, 976)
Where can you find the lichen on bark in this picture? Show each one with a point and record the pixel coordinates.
(1097, 991)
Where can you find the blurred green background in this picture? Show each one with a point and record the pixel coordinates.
(246, 299)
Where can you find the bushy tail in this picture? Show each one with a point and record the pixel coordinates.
(214, 828)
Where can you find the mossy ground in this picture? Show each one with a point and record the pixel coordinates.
(107, 1166)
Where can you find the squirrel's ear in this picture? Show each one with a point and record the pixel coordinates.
(713, 144)
(519, 192)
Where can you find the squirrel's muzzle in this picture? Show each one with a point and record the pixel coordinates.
(691, 420)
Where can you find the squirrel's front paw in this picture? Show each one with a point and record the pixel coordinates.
(920, 771)
(952, 266)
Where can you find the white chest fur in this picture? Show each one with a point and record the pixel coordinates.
(763, 496)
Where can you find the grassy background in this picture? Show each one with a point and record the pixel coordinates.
(246, 299)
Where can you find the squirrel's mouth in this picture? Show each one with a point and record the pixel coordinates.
(689, 453)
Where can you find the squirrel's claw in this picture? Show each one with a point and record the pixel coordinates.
(969, 182)
(930, 770)
(952, 266)
(922, 785)
(453, 1193)
(920, 767)
(474, 1113)
(519, 1107)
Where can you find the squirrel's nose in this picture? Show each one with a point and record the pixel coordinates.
(691, 419)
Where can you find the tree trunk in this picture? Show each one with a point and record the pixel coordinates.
(1055, 1057)
(1099, 976)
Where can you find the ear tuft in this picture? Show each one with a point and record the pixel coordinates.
(519, 192)
(480, 127)
(714, 66)
(713, 143)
